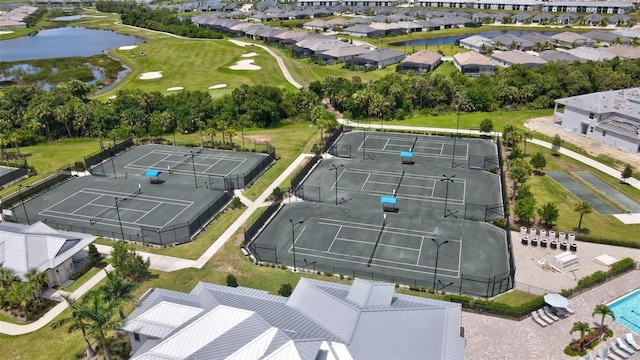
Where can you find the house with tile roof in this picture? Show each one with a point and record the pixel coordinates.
(421, 62)
(39, 246)
(513, 57)
(472, 63)
(612, 117)
(321, 320)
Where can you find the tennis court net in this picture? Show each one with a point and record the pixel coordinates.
(375, 245)
(118, 202)
(414, 144)
(188, 158)
(395, 192)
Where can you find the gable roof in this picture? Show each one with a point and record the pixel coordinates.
(381, 55)
(27, 246)
(423, 57)
(518, 57)
(366, 320)
(346, 51)
(624, 102)
(472, 58)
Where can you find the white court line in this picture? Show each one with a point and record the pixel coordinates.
(139, 197)
(356, 225)
(371, 243)
(385, 145)
(351, 261)
(365, 182)
(154, 165)
(442, 149)
(113, 207)
(296, 239)
(420, 252)
(334, 238)
(212, 165)
(125, 224)
(339, 177)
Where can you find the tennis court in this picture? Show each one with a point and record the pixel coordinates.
(582, 193)
(402, 185)
(123, 201)
(342, 221)
(428, 148)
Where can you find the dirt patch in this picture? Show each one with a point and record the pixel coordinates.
(258, 138)
(546, 126)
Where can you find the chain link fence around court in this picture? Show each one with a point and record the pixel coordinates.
(483, 162)
(19, 169)
(99, 158)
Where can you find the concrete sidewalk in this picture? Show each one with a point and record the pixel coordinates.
(14, 329)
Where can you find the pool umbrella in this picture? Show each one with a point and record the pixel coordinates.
(556, 300)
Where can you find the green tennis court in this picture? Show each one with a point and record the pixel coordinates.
(582, 193)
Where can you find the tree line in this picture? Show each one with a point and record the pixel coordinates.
(517, 87)
(159, 19)
(29, 115)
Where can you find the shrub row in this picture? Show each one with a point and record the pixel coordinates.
(599, 277)
(614, 242)
(519, 311)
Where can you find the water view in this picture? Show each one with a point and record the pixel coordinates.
(450, 40)
(63, 42)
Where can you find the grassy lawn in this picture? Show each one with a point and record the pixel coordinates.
(49, 157)
(467, 120)
(83, 279)
(546, 190)
(515, 298)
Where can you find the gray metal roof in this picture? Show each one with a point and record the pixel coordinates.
(38, 246)
(381, 55)
(366, 320)
(559, 56)
(625, 102)
(589, 53)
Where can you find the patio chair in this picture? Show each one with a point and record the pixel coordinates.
(550, 314)
(536, 318)
(544, 317)
(631, 341)
(587, 357)
(615, 350)
(609, 354)
(569, 310)
(623, 345)
(562, 312)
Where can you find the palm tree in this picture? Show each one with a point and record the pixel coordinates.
(117, 288)
(526, 135)
(603, 310)
(580, 326)
(7, 277)
(583, 207)
(100, 316)
(77, 322)
(37, 279)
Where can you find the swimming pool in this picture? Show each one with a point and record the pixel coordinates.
(627, 310)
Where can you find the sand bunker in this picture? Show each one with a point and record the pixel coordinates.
(251, 54)
(176, 88)
(245, 65)
(128, 47)
(112, 97)
(5, 32)
(151, 75)
(218, 86)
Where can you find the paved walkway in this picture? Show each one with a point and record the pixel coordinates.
(14, 329)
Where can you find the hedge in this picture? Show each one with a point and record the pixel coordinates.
(605, 241)
(501, 309)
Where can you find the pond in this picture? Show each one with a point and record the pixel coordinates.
(450, 40)
(63, 42)
(73, 17)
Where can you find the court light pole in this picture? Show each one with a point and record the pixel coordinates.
(119, 221)
(447, 179)
(435, 271)
(193, 165)
(22, 202)
(453, 165)
(335, 168)
(293, 241)
(115, 176)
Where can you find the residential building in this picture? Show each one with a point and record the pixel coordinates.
(591, 54)
(421, 62)
(539, 41)
(513, 57)
(321, 320)
(607, 38)
(378, 58)
(472, 63)
(600, 7)
(623, 51)
(559, 56)
(362, 30)
(612, 117)
(477, 43)
(571, 40)
(511, 42)
(339, 54)
(39, 246)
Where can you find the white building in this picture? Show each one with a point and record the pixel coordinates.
(612, 117)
